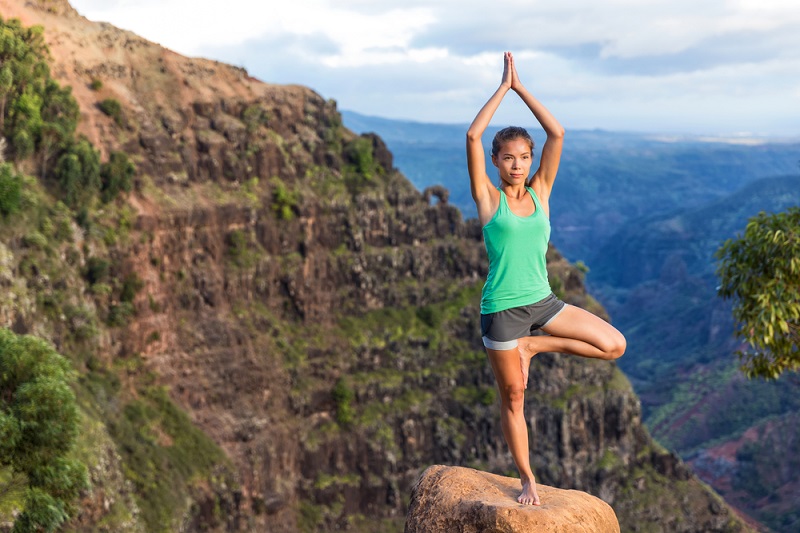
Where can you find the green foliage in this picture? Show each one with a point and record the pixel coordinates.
(360, 153)
(362, 168)
(241, 249)
(38, 428)
(130, 286)
(39, 118)
(96, 270)
(475, 395)
(429, 316)
(156, 437)
(760, 271)
(112, 108)
(557, 286)
(255, 116)
(10, 190)
(284, 201)
(27, 123)
(77, 172)
(36, 113)
(118, 314)
(59, 113)
(342, 398)
(116, 175)
(96, 84)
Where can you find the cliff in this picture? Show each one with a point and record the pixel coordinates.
(283, 333)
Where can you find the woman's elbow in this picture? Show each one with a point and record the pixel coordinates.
(474, 135)
(558, 133)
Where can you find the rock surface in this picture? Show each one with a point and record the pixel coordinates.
(463, 499)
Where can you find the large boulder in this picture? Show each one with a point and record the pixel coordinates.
(457, 499)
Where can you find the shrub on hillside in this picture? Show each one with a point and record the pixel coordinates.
(77, 173)
(112, 108)
(10, 190)
(116, 176)
(38, 430)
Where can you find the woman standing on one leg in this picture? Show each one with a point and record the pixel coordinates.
(517, 298)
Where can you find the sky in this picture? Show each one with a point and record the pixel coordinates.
(710, 67)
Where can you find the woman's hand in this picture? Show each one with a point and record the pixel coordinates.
(515, 83)
(508, 71)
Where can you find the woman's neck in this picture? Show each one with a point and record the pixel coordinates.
(513, 191)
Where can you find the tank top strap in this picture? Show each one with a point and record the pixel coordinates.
(536, 201)
(503, 207)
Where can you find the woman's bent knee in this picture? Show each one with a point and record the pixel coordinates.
(616, 347)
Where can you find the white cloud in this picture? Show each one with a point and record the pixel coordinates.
(633, 64)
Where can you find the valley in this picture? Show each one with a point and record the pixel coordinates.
(645, 215)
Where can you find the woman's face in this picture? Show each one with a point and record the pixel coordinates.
(514, 160)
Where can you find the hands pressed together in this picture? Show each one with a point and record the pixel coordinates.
(510, 76)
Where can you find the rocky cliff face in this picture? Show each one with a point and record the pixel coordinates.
(312, 315)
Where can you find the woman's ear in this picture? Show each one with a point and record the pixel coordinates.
(494, 160)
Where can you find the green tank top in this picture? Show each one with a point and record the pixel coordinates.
(517, 247)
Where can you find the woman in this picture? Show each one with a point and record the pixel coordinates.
(517, 299)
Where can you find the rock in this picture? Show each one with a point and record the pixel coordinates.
(452, 498)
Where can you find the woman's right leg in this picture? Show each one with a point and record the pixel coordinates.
(506, 367)
(573, 331)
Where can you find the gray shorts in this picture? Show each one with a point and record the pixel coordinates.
(501, 330)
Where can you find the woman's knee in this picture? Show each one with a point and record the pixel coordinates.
(513, 398)
(615, 345)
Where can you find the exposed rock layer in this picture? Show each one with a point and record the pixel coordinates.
(462, 499)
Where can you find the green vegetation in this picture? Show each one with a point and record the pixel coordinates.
(254, 117)
(362, 169)
(760, 271)
(112, 108)
(157, 437)
(39, 478)
(116, 176)
(284, 200)
(78, 173)
(343, 399)
(96, 84)
(360, 154)
(243, 251)
(39, 118)
(10, 190)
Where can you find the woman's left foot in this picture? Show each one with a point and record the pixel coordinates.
(529, 495)
(526, 352)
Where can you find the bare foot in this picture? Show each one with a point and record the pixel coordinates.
(526, 352)
(528, 496)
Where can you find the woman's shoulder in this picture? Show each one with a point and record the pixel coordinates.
(489, 207)
(539, 188)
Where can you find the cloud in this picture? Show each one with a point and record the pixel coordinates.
(632, 64)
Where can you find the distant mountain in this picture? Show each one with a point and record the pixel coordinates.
(606, 178)
(661, 270)
(661, 291)
(646, 215)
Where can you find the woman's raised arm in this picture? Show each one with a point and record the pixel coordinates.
(480, 184)
(542, 180)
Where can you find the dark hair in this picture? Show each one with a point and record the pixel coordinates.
(510, 133)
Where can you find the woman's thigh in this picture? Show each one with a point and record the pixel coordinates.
(507, 369)
(576, 323)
